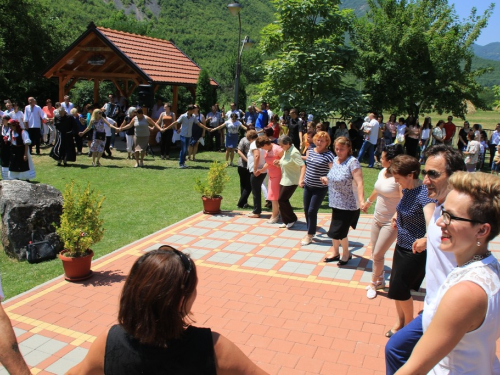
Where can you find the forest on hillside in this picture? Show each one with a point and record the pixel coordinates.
(203, 29)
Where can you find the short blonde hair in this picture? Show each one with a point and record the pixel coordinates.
(484, 190)
(324, 135)
(73, 111)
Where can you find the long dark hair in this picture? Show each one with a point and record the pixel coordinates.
(159, 283)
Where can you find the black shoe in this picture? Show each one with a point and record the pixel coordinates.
(343, 263)
(269, 204)
(332, 259)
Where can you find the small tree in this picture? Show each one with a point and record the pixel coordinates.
(217, 179)
(80, 223)
(206, 95)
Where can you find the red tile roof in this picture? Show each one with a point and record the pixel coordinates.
(160, 59)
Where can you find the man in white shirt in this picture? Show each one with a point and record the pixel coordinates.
(66, 104)
(157, 110)
(442, 162)
(214, 120)
(269, 112)
(33, 117)
(371, 136)
(234, 110)
(494, 141)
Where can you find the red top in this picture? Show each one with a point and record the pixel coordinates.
(449, 128)
(49, 112)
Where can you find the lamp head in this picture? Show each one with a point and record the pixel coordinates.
(234, 8)
(248, 43)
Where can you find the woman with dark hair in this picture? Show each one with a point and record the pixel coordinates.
(198, 133)
(387, 194)
(438, 133)
(392, 125)
(291, 165)
(243, 172)
(96, 124)
(64, 149)
(345, 194)
(412, 217)
(232, 130)
(460, 325)
(341, 131)
(20, 164)
(462, 136)
(273, 153)
(142, 124)
(256, 160)
(413, 137)
(154, 334)
(166, 118)
(471, 152)
(274, 124)
(425, 137)
(318, 163)
(5, 147)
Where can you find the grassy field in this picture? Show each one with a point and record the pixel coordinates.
(139, 201)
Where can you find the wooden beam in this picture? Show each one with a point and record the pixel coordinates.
(109, 76)
(131, 90)
(96, 90)
(155, 88)
(70, 86)
(94, 49)
(175, 96)
(61, 89)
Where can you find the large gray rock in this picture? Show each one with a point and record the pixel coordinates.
(27, 208)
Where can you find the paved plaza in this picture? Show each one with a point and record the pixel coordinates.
(286, 309)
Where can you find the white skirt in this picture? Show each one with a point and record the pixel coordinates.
(26, 175)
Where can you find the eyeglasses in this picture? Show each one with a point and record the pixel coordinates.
(447, 218)
(188, 266)
(432, 174)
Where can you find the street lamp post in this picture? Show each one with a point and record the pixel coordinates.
(234, 9)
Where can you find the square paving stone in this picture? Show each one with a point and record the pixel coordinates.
(61, 366)
(273, 252)
(223, 234)
(238, 247)
(345, 274)
(321, 247)
(34, 357)
(283, 242)
(263, 230)
(298, 268)
(246, 220)
(18, 331)
(209, 244)
(197, 253)
(252, 238)
(264, 263)
(227, 258)
(52, 346)
(195, 231)
(329, 272)
(208, 224)
(76, 355)
(177, 239)
(236, 227)
(35, 341)
(307, 256)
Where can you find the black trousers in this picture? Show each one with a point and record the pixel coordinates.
(493, 149)
(286, 210)
(35, 136)
(213, 141)
(256, 182)
(245, 186)
(106, 145)
(79, 143)
(166, 142)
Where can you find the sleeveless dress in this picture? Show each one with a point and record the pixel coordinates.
(97, 145)
(274, 173)
(192, 354)
(141, 138)
(475, 353)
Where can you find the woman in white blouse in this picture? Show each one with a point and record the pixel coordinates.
(471, 153)
(387, 194)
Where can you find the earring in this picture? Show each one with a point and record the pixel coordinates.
(478, 243)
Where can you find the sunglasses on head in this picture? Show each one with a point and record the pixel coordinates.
(188, 265)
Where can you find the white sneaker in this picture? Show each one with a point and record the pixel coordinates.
(283, 225)
(306, 240)
(290, 225)
(371, 289)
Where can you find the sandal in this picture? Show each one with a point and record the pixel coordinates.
(344, 262)
(306, 240)
(390, 333)
(371, 289)
(336, 258)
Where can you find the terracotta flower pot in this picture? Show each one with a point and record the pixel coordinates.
(77, 269)
(211, 205)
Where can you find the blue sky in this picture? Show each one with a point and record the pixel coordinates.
(489, 34)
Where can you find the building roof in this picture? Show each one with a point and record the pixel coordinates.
(126, 56)
(160, 59)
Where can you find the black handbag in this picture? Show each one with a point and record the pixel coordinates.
(100, 136)
(37, 252)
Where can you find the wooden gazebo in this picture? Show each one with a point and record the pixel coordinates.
(127, 60)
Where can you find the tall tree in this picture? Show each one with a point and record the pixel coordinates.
(206, 95)
(309, 58)
(415, 56)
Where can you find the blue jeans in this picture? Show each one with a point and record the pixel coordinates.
(184, 149)
(313, 197)
(370, 148)
(399, 347)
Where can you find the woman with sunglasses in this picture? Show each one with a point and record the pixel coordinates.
(154, 334)
(413, 213)
(461, 324)
(96, 123)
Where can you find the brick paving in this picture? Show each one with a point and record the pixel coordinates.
(286, 309)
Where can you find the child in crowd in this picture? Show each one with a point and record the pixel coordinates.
(495, 167)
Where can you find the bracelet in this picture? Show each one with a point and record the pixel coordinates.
(369, 201)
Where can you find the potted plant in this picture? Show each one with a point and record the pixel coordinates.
(212, 188)
(80, 228)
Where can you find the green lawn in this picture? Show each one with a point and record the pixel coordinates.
(139, 201)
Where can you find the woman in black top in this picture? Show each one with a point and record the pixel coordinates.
(154, 335)
(64, 149)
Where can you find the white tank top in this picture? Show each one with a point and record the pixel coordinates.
(475, 353)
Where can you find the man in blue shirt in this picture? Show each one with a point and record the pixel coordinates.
(262, 118)
(186, 120)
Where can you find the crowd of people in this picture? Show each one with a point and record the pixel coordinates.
(441, 216)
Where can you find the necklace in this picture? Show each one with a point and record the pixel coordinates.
(477, 258)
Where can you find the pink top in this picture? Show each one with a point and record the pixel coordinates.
(270, 156)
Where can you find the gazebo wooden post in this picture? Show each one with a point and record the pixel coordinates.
(175, 97)
(96, 90)
(61, 89)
